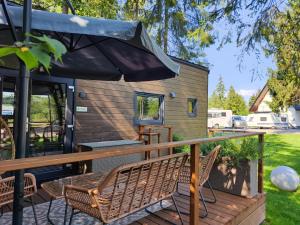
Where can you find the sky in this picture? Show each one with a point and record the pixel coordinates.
(225, 63)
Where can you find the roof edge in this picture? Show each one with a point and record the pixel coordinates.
(205, 68)
(259, 98)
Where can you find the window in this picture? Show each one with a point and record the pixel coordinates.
(192, 107)
(283, 119)
(223, 114)
(149, 108)
(210, 115)
(263, 119)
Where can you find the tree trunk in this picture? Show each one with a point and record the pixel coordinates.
(166, 27)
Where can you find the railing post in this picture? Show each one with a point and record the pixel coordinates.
(194, 185)
(260, 163)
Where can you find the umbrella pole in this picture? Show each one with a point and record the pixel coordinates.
(20, 135)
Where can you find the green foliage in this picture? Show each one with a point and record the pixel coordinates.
(35, 53)
(283, 43)
(185, 148)
(253, 98)
(218, 98)
(236, 103)
(234, 150)
(282, 207)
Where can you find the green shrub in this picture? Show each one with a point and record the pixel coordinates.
(184, 148)
(234, 150)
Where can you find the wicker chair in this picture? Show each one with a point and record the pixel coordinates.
(7, 191)
(7, 144)
(128, 189)
(206, 164)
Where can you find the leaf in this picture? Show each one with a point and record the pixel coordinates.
(7, 51)
(54, 46)
(28, 58)
(42, 57)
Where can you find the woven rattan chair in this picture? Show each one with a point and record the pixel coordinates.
(7, 144)
(7, 191)
(128, 189)
(206, 164)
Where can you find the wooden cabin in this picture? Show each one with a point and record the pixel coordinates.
(114, 109)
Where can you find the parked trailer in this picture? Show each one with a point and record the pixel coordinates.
(267, 120)
(218, 118)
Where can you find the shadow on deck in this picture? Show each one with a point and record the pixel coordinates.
(228, 210)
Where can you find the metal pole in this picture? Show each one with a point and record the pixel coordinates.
(20, 137)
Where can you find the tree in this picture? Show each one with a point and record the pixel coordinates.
(253, 98)
(235, 102)
(173, 24)
(283, 43)
(218, 99)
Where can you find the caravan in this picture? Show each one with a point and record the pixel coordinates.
(219, 118)
(267, 120)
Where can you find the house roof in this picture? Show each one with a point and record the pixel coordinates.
(259, 98)
(186, 62)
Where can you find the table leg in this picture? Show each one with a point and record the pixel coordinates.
(49, 210)
(48, 213)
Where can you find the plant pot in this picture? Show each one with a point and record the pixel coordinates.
(239, 180)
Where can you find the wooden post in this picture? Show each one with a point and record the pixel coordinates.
(260, 163)
(194, 185)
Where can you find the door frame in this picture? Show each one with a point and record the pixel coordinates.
(70, 98)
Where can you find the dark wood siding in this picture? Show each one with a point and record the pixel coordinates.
(110, 105)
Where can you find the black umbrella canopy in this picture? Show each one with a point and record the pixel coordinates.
(98, 49)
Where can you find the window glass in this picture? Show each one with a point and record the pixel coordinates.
(223, 114)
(192, 107)
(263, 118)
(149, 108)
(210, 115)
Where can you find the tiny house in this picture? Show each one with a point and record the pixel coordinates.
(64, 112)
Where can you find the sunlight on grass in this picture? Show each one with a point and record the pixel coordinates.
(283, 208)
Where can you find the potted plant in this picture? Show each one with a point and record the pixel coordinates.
(235, 169)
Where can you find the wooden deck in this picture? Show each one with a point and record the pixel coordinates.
(228, 210)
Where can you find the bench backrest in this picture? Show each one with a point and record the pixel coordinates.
(132, 187)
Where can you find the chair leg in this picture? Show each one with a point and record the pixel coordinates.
(71, 217)
(214, 200)
(33, 209)
(176, 207)
(204, 204)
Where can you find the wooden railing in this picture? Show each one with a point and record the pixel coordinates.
(34, 162)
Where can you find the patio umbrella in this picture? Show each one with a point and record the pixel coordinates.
(98, 49)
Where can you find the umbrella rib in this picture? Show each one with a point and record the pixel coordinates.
(108, 58)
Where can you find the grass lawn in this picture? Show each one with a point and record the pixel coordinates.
(283, 208)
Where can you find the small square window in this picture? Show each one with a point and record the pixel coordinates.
(192, 107)
(223, 114)
(263, 119)
(149, 108)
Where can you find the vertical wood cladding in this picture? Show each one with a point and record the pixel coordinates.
(110, 106)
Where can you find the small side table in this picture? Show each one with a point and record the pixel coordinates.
(149, 134)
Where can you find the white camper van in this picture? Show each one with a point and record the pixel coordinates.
(219, 118)
(267, 120)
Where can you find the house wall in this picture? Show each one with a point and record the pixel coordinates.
(110, 106)
(264, 105)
